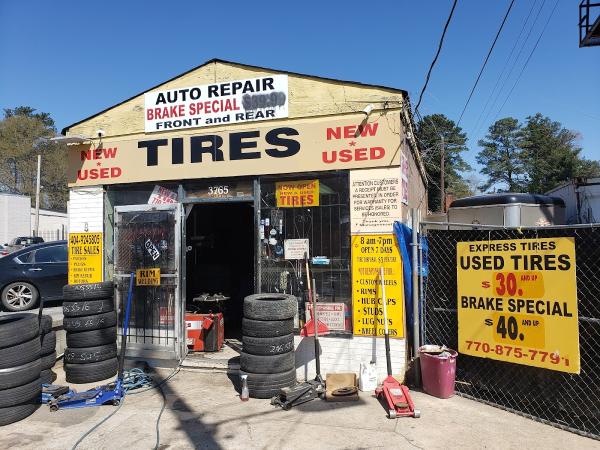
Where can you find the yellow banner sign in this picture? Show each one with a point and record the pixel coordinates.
(297, 194)
(249, 149)
(517, 302)
(369, 254)
(147, 277)
(85, 258)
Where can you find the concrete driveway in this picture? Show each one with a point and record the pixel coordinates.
(202, 410)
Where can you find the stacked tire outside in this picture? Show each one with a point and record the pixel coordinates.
(90, 321)
(267, 356)
(21, 340)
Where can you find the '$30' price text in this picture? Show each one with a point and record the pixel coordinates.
(517, 352)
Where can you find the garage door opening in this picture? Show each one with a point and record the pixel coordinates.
(220, 260)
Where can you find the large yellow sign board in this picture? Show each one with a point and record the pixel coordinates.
(294, 194)
(517, 302)
(370, 252)
(85, 258)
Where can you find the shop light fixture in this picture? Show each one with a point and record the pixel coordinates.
(77, 139)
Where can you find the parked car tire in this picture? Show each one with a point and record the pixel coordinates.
(20, 394)
(20, 354)
(19, 296)
(48, 342)
(267, 364)
(88, 307)
(90, 354)
(47, 376)
(89, 373)
(18, 412)
(48, 361)
(92, 338)
(270, 306)
(93, 322)
(267, 328)
(91, 291)
(46, 324)
(268, 345)
(16, 376)
(17, 328)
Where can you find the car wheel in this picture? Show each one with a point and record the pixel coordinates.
(19, 296)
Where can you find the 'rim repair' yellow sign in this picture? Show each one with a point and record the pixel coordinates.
(517, 302)
(147, 277)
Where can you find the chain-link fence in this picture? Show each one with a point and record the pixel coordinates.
(565, 400)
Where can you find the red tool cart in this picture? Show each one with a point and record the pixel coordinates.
(205, 332)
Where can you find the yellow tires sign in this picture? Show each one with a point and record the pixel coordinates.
(517, 302)
(85, 258)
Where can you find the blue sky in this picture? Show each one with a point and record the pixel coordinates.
(74, 58)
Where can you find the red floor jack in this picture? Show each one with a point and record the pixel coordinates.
(394, 394)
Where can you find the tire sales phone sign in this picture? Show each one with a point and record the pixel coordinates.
(517, 302)
(85, 258)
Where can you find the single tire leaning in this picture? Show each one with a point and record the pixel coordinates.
(270, 306)
(16, 376)
(48, 343)
(89, 373)
(48, 361)
(20, 354)
(267, 364)
(19, 296)
(92, 338)
(46, 324)
(88, 307)
(94, 322)
(268, 346)
(267, 328)
(90, 354)
(92, 291)
(20, 394)
(47, 376)
(17, 328)
(18, 412)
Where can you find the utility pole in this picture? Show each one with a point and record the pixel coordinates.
(36, 230)
(442, 170)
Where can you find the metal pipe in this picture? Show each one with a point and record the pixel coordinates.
(386, 334)
(415, 290)
(36, 230)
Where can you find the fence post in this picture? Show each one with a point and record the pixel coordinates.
(415, 292)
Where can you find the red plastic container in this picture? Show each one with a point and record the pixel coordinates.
(438, 373)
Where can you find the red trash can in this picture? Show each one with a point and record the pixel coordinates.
(438, 370)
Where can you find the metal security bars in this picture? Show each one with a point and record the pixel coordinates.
(564, 400)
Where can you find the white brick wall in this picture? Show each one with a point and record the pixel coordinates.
(345, 355)
(86, 209)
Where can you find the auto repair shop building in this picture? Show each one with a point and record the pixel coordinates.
(223, 178)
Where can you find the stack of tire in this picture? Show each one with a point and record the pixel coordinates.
(90, 321)
(20, 366)
(47, 350)
(267, 356)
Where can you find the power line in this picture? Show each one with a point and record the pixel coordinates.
(528, 59)
(439, 49)
(512, 51)
(486, 60)
(513, 65)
